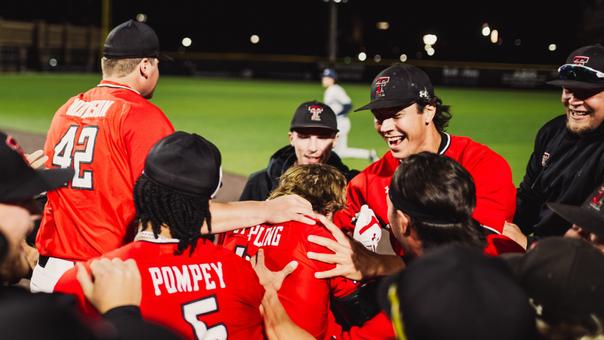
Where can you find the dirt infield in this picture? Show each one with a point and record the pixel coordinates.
(230, 191)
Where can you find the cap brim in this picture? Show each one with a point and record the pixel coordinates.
(164, 57)
(575, 84)
(381, 103)
(39, 182)
(585, 218)
(313, 126)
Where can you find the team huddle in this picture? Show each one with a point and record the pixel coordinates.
(131, 233)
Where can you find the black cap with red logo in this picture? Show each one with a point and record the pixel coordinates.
(584, 69)
(314, 114)
(589, 215)
(399, 85)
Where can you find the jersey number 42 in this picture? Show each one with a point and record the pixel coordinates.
(65, 157)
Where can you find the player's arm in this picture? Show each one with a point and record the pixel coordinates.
(351, 259)
(232, 215)
(355, 198)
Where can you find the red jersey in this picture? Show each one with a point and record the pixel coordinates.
(305, 298)
(211, 293)
(105, 135)
(495, 191)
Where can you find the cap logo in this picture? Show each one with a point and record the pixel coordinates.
(598, 199)
(11, 142)
(424, 93)
(379, 85)
(544, 158)
(580, 60)
(316, 110)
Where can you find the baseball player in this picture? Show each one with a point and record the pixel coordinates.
(313, 133)
(411, 119)
(105, 134)
(306, 299)
(337, 99)
(188, 284)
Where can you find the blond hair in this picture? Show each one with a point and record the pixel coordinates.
(119, 67)
(321, 184)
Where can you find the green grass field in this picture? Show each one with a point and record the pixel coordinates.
(249, 119)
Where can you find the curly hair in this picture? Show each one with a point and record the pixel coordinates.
(158, 205)
(442, 116)
(321, 184)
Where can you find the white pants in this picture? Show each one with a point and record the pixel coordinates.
(45, 278)
(341, 147)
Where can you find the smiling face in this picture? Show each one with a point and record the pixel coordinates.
(584, 109)
(312, 145)
(406, 130)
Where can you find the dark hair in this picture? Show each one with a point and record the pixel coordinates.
(442, 116)
(184, 214)
(439, 185)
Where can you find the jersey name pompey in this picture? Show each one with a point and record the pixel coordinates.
(187, 278)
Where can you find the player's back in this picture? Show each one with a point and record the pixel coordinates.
(211, 294)
(305, 298)
(104, 134)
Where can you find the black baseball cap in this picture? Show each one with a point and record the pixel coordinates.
(584, 69)
(399, 85)
(18, 180)
(131, 39)
(454, 292)
(589, 215)
(185, 162)
(314, 114)
(565, 276)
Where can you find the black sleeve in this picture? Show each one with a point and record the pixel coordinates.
(130, 324)
(345, 109)
(528, 200)
(256, 187)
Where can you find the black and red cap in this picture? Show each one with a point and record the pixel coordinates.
(399, 85)
(187, 163)
(589, 215)
(583, 70)
(131, 39)
(314, 114)
(19, 181)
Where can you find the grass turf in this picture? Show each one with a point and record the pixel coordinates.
(249, 119)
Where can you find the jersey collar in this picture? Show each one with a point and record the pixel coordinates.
(112, 84)
(149, 237)
(445, 142)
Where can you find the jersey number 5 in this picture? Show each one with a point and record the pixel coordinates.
(64, 155)
(192, 310)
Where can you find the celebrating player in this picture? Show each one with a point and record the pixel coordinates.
(188, 284)
(313, 133)
(412, 119)
(105, 134)
(305, 298)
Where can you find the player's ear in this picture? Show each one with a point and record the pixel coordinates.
(404, 219)
(143, 68)
(291, 138)
(429, 113)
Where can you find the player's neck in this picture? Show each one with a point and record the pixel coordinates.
(128, 81)
(432, 141)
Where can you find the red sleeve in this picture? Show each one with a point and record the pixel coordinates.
(355, 198)
(495, 191)
(143, 126)
(501, 244)
(379, 327)
(69, 284)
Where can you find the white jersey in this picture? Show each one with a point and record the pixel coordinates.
(335, 97)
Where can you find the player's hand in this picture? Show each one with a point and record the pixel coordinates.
(36, 159)
(269, 279)
(513, 232)
(343, 253)
(114, 283)
(367, 229)
(288, 208)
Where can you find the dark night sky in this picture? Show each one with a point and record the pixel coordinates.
(300, 26)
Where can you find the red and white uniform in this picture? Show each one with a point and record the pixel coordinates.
(211, 293)
(105, 134)
(495, 191)
(305, 298)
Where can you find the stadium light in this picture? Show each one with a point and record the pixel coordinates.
(377, 58)
(517, 42)
(186, 41)
(486, 30)
(382, 25)
(430, 51)
(53, 62)
(362, 56)
(427, 47)
(141, 17)
(430, 39)
(403, 58)
(494, 36)
(254, 39)
(552, 47)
